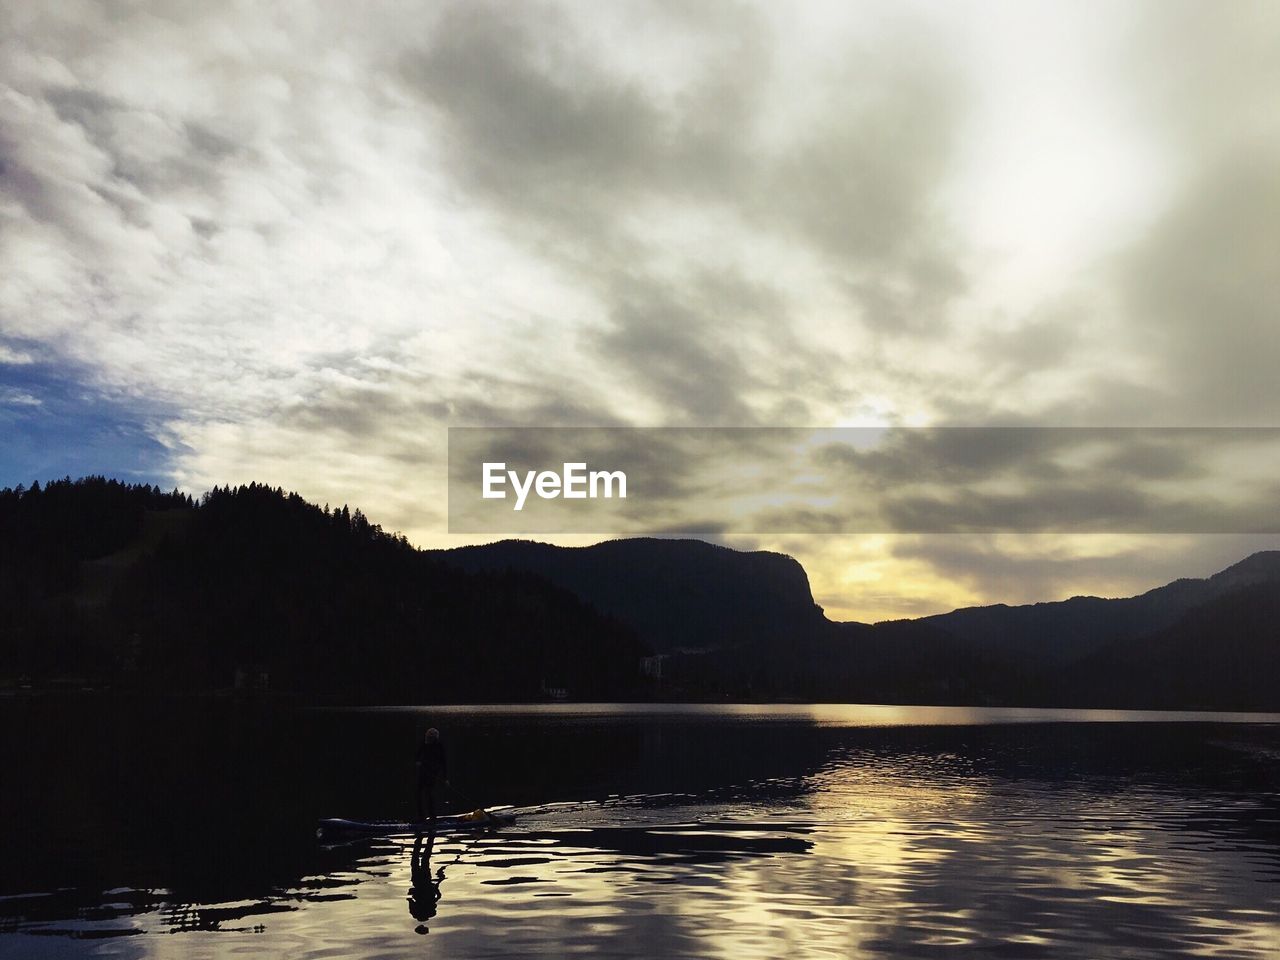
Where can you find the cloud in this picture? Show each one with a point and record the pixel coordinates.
(588, 164)
(1203, 292)
(14, 357)
(294, 246)
(216, 240)
(19, 398)
(930, 480)
(1191, 299)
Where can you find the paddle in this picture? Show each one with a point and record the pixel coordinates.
(463, 797)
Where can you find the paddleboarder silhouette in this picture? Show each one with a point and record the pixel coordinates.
(433, 767)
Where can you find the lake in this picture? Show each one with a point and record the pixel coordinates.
(179, 829)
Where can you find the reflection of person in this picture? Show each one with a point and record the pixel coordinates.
(433, 766)
(424, 893)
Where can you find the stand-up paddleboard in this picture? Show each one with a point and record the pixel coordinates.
(475, 820)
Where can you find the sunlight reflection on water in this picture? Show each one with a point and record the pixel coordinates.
(882, 848)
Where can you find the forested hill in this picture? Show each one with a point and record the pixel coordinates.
(104, 582)
(136, 588)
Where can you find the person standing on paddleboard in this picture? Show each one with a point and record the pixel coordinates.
(433, 767)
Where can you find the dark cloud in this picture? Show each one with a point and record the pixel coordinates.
(20, 180)
(378, 407)
(1204, 293)
(858, 185)
(1062, 479)
(545, 129)
(539, 126)
(87, 109)
(679, 356)
(944, 481)
(1044, 341)
(965, 455)
(569, 151)
(1199, 290)
(1059, 508)
(945, 454)
(1160, 456)
(701, 348)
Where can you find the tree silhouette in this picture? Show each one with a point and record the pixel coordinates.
(153, 590)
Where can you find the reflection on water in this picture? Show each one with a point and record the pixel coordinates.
(734, 832)
(424, 889)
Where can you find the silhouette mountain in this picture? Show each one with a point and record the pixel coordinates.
(745, 624)
(678, 595)
(129, 586)
(1063, 631)
(1224, 654)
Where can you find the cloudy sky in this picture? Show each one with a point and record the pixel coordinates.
(294, 244)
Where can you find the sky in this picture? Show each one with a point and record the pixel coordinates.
(294, 244)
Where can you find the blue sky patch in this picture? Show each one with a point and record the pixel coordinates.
(53, 425)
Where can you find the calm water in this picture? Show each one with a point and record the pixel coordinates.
(160, 830)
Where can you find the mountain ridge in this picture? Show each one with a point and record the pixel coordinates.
(146, 589)
(711, 595)
(1079, 626)
(999, 653)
